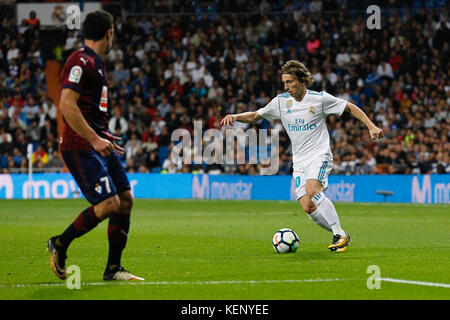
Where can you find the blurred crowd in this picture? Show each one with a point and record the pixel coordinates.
(167, 71)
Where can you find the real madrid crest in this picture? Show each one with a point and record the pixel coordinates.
(312, 110)
(289, 104)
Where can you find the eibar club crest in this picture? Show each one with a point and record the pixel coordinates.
(312, 110)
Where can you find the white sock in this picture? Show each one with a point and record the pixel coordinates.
(328, 212)
(318, 219)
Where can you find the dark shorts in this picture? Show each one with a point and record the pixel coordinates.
(99, 178)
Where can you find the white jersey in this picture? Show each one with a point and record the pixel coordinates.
(305, 123)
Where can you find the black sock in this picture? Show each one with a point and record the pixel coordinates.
(86, 221)
(118, 227)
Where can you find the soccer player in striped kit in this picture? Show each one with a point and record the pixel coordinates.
(303, 114)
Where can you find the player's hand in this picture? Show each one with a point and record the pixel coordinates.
(120, 151)
(228, 120)
(376, 133)
(103, 146)
(111, 137)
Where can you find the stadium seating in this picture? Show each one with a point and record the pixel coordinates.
(227, 59)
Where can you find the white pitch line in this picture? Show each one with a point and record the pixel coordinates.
(156, 283)
(420, 283)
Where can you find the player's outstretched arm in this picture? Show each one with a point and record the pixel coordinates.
(375, 132)
(247, 117)
(72, 114)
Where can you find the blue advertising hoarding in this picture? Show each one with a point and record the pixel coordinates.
(357, 188)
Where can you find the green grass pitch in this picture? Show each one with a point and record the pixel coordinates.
(195, 250)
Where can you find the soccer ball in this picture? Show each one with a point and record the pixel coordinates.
(285, 240)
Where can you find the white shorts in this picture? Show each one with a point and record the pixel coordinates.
(316, 170)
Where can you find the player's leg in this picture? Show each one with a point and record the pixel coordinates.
(308, 206)
(87, 220)
(321, 210)
(89, 171)
(119, 223)
(316, 199)
(118, 228)
(312, 211)
(318, 175)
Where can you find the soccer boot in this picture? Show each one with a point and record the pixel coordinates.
(340, 243)
(57, 258)
(120, 274)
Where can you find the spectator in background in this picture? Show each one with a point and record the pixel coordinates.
(342, 58)
(13, 52)
(385, 71)
(118, 125)
(13, 69)
(116, 54)
(395, 61)
(55, 161)
(164, 106)
(70, 40)
(33, 131)
(17, 157)
(153, 161)
(6, 141)
(49, 108)
(158, 123)
(40, 156)
(33, 22)
(120, 74)
(132, 146)
(175, 88)
(313, 44)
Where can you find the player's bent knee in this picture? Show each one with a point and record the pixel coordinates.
(129, 203)
(114, 204)
(126, 202)
(312, 188)
(311, 193)
(104, 209)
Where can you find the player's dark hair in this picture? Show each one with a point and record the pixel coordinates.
(299, 71)
(97, 24)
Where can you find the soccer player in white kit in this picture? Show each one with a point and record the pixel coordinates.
(303, 114)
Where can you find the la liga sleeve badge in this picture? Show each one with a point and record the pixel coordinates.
(75, 74)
